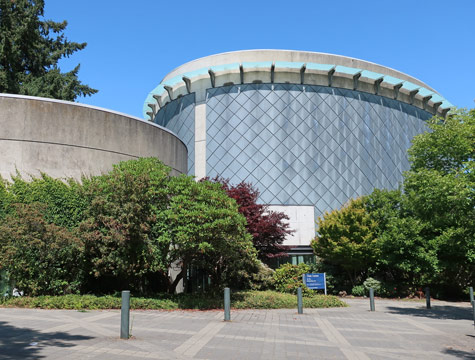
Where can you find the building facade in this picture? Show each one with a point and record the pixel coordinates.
(309, 130)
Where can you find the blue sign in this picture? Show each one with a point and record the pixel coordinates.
(315, 281)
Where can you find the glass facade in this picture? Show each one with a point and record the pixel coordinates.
(179, 117)
(308, 145)
(294, 259)
(300, 144)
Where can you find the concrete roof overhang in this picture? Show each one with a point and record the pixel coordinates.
(297, 67)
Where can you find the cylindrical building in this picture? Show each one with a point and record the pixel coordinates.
(66, 139)
(309, 130)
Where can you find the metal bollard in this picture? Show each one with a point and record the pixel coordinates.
(299, 300)
(227, 304)
(371, 299)
(125, 315)
(427, 298)
(472, 301)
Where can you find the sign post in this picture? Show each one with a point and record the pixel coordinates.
(316, 281)
(325, 281)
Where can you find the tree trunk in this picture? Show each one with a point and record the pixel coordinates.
(352, 277)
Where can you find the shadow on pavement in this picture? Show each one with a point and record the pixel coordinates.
(24, 343)
(460, 353)
(437, 312)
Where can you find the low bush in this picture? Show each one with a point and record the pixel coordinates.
(333, 282)
(276, 300)
(288, 277)
(39, 257)
(239, 300)
(372, 283)
(358, 290)
(5, 286)
(263, 279)
(390, 290)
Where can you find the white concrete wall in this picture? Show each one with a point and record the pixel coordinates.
(200, 141)
(302, 220)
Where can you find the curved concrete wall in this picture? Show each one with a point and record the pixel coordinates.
(65, 139)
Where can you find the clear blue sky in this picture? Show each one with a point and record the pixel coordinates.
(132, 45)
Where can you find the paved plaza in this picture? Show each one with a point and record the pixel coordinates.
(397, 330)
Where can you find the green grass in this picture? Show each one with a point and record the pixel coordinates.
(239, 300)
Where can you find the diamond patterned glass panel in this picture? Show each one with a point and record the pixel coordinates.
(179, 117)
(310, 144)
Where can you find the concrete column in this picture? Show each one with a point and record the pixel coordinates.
(200, 140)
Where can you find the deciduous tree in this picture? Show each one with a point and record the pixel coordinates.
(346, 237)
(441, 191)
(202, 228)
(141, 223)
(121, 230)
(407, 259)
(268, 228)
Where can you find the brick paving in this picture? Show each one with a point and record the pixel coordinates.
(397, 330)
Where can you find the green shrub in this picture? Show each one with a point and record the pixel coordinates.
(239, 300)
(288, 277)
(65, 203)
(120, 227)
(263, 279)
(372, 283)
(333, 283)
(123, 229)
(141, 222)
(389, 290)
(276, 300)
(6, 198)
(5, 286)
(358, 290)
(40, 258)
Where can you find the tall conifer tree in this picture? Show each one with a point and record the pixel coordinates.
(30, 48)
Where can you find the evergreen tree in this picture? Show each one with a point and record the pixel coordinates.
(30, 49)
